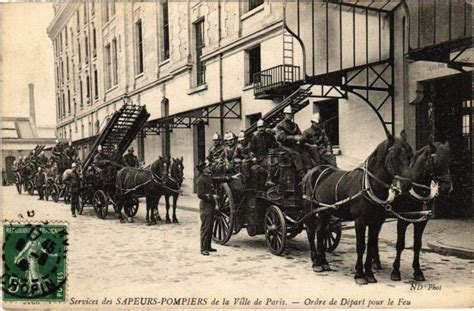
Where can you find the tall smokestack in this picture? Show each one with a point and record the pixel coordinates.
(31, 91)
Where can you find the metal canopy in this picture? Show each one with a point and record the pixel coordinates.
(441, 31)
(348, 47)
(231, 109)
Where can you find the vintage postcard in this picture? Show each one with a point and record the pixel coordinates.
(270, 154)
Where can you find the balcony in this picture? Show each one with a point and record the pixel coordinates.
(277, 81)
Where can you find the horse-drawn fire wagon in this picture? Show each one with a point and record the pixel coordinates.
(98, 189)
(275, 211)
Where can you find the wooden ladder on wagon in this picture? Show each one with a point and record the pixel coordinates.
(119, 132)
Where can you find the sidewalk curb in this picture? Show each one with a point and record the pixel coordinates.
(444, 249)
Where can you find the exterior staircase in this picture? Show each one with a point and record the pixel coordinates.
(296, 100)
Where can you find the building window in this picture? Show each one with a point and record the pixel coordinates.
(166, 30)
(60, 41)
(96, 84)
(68, 101)
(253, 118)
(63, 104)
(109, 10)
(254, 64)
(88, 91)
(67, 68)
(329, 112)
(94, 42)
(78, 24)
(79, 58)
(200, 66)
(86, 47)
(73, 76)
(108, 67)
(467, 122)
(62, 72)
(112, 8)
(254, 3)
(139, 46)
(81, 104)
(72, 40)
(114, 62)
(85, 12)
(65, 36)
(92, 8)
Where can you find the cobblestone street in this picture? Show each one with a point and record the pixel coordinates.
(109, 259)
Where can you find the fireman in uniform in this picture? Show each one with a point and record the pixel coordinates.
(42, 160)
(130, 159)
(40, 181)
(319, 141)
(71, 153)
(207, 205)
(290, 138)
(215, 149)
(242, 149)
(74, 181)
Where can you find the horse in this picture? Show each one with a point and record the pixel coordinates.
(173, 188)
(430, 174)
(149, 183)
(357, 195)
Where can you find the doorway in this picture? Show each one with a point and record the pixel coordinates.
(10, 175)
(447, 115)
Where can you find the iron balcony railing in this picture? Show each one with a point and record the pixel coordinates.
(273, 78)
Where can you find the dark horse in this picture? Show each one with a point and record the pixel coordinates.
(172, 189)
(430, 174)
(150, 183)
(361, 195)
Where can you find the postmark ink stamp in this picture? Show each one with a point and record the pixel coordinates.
(34, 258)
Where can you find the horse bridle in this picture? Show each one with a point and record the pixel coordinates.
(434, 184)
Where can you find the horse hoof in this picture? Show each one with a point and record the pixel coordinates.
(395, 276)
(122, 221)
(148, 223)
(158, 218)
(154, 223)
(361, 281)
(371, 279)
(175, 221)
(419, 277)
(168, 221)
(326, 267)
(377, 265)
(130, 219)
(318, 269)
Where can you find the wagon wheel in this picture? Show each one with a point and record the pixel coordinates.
(101, 204)
(131, 207)
(275, 230)
(333, 235)
(292, 231)
(54, 192)
(30, 187)
(18, 183)
(224, 216)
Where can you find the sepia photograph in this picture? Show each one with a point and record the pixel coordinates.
(237, 154)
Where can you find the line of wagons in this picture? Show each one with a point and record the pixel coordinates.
(275, 212)
(95, 192)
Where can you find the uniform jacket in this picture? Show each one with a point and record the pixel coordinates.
(228, 153)
(241, 151)
(130, 160)
(57, 150)
(100, 160)
(261, 143)
(286, 132)
(205, 191)
(71, 153)
(214, 152)
(74, 181)
(40, 179)
(316, 136)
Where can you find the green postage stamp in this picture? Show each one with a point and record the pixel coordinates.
(34, 258)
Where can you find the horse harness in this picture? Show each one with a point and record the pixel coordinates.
(367, 193)
(154, 178)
